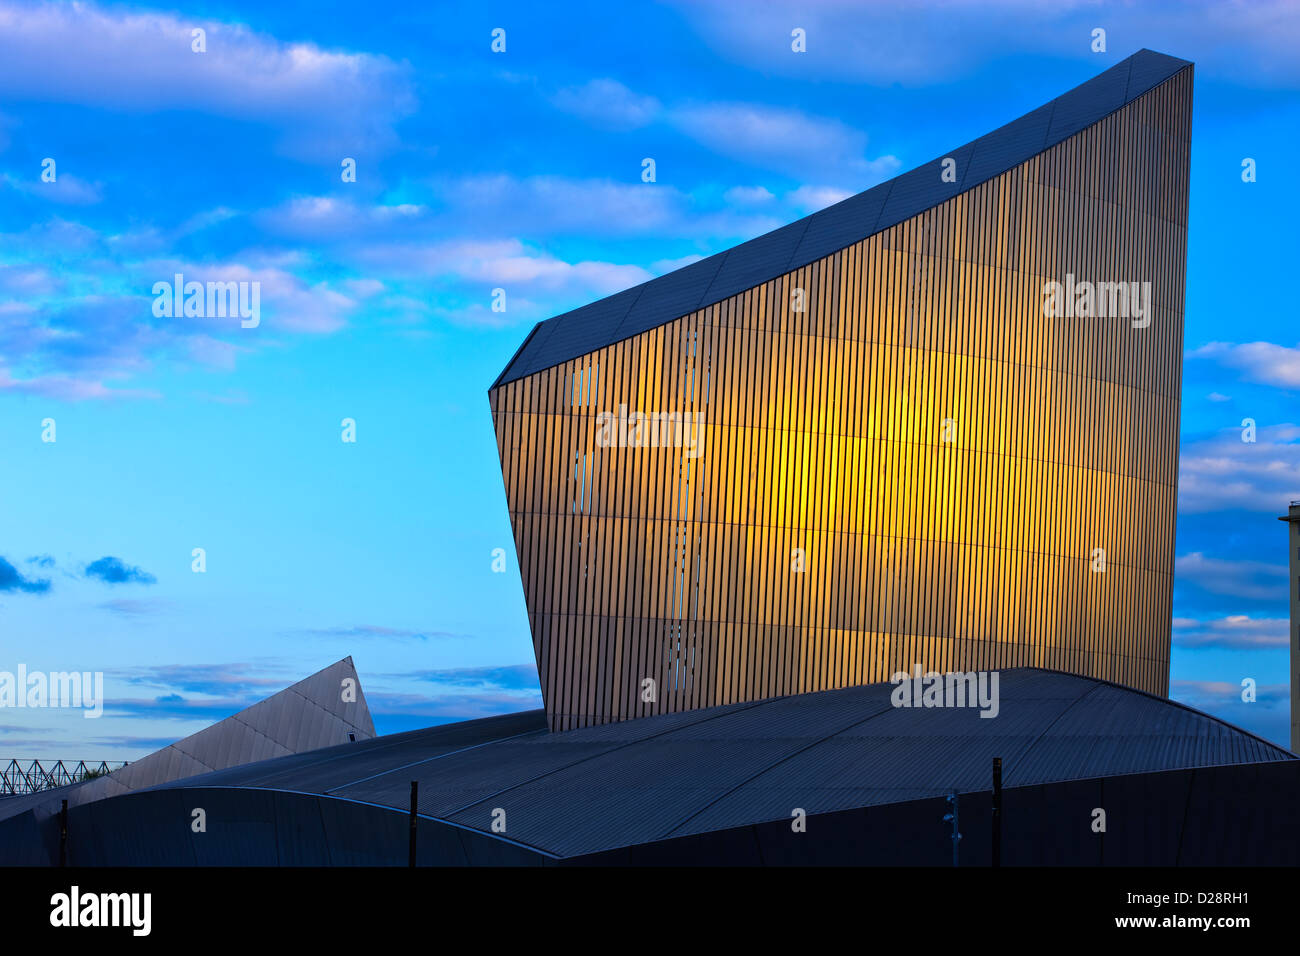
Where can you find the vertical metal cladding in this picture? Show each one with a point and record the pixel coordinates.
(917, 469)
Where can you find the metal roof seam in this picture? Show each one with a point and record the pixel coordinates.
(622, 746)
(416, 763)
(776, 763)
(1009, 765)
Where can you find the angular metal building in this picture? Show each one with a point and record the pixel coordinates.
(935, 424)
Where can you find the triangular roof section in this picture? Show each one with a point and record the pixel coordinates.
(305, 716)
(709, 281)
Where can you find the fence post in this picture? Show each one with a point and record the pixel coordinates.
(997, 811)
(63, 834)
(415, 791)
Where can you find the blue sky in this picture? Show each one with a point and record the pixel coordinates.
(520, 170)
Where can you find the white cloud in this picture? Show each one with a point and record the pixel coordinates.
(556, 203)
(142, 61)
(67, 388)
(1254, 580)
(1224, 473)
(80, 329)
(609, 104)
(787, 140)
(26, 281)
(326, 217)
(748, 195)
(500, 262)
(487, 206)
(1235, 632)
(1208, 694)
(784, 139)
(289, 303)
(917, 42)
(66, 189)
(1262, 362)
(812, 198)
(664, 266)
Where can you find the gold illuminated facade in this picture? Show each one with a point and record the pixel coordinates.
(900, 458)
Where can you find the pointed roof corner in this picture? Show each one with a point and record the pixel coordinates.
(724, 274)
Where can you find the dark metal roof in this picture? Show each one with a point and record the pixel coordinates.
(583, 791)
(751, 263)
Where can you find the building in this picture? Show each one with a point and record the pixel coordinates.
(839, 777)
(1293, 550)
(935, 424)
(900, 463)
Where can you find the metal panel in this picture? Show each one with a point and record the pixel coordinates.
(807, 521)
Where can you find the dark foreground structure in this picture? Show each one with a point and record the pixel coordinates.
(722, 786)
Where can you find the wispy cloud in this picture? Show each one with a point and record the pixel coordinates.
(1237, 632)
(1263, 362)
(85, 339)
(69, 389)
(133, 743)
(784, 139)
(812, 198)
(781, 138)
(1225, 473)
(1217, 696)
(927, 42)
(368, 631)
(1266, 715)
(234, 684)
(457, 693)
(419, 709)
(66, 189)
(524, 272)
(174, 707)
(136, 607)
(514, 677)
(144, 61)
(607, 103)
(1255, 580)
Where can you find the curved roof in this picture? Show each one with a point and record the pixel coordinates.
(615, 785)
(806, 240)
